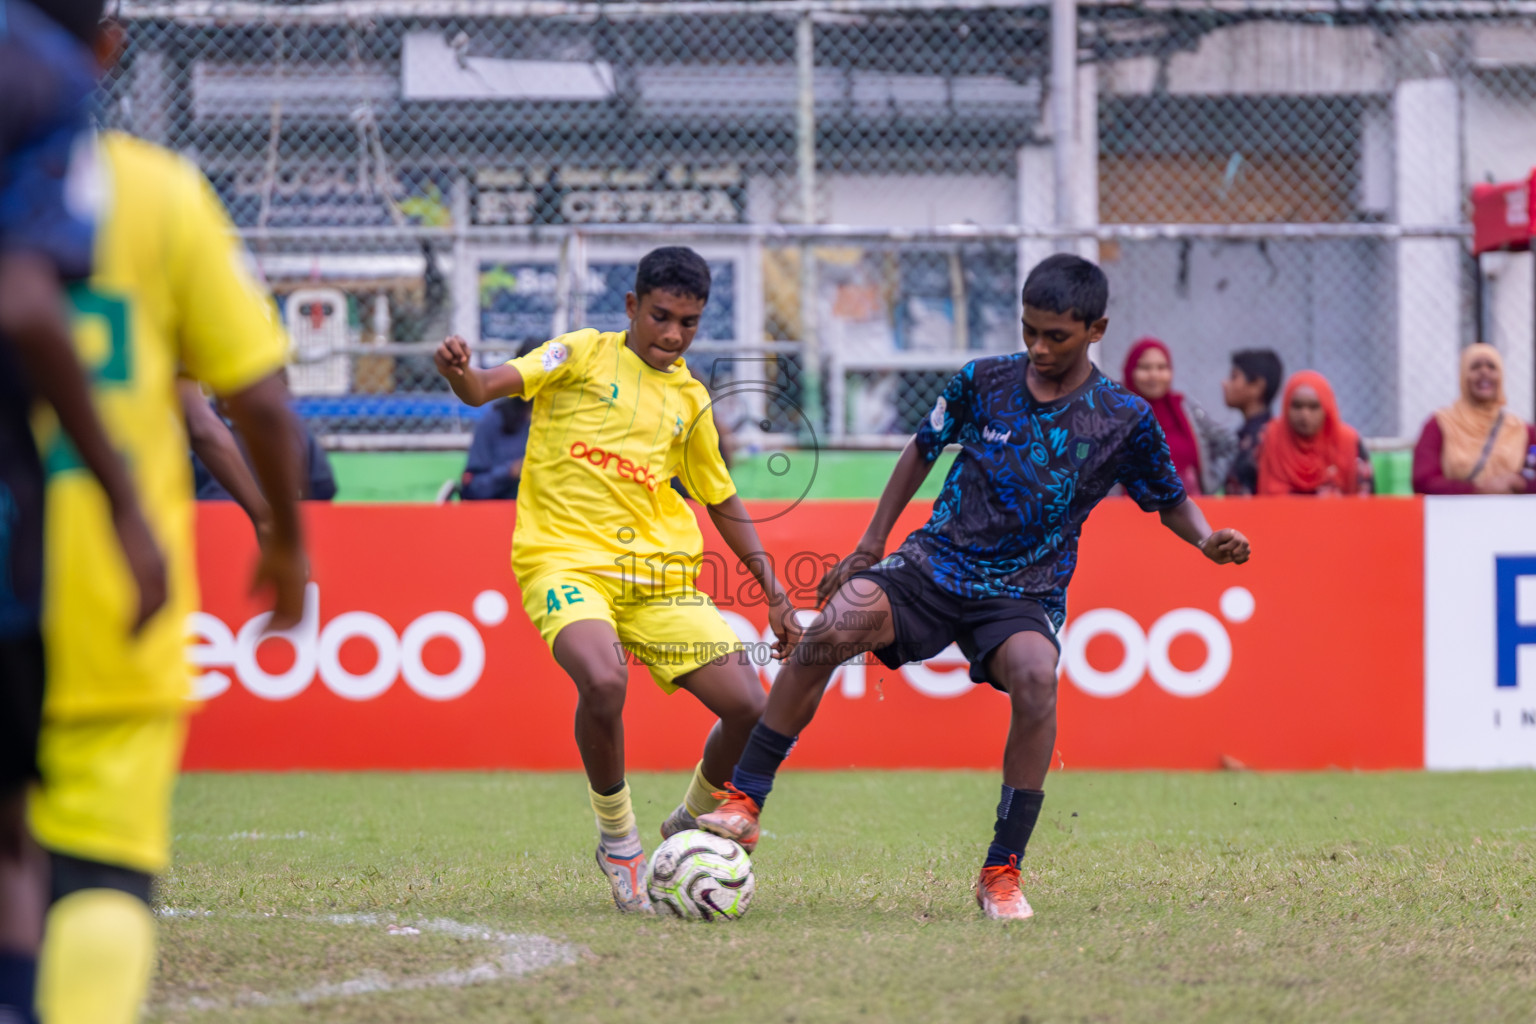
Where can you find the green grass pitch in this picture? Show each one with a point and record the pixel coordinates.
(1158, 897)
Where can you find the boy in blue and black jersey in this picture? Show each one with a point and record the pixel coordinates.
(1043, 436)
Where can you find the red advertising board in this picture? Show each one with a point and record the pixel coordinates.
(415, 653)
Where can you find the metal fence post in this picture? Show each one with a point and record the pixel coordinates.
(1063, 107)
(805, 139)
(466, 273)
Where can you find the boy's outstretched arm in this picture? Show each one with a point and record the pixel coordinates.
(1220, 546)
(473, 385)
(735, 525)
(906, 478)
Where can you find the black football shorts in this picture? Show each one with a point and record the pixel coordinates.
(927, 618)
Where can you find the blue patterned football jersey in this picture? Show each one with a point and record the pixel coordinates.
(47, 170)
(1028, 473)
(47, 80)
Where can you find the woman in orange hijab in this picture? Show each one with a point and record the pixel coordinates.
(1475, 445)
(1309, 449)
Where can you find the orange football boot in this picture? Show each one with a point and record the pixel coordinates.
(735, 819)
(998, 893)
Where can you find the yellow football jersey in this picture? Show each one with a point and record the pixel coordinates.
(608, 433)
(170, 288)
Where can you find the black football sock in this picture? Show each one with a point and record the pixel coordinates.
(754, 773)
(1017, 813)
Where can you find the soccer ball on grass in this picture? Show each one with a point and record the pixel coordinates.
(701, 876)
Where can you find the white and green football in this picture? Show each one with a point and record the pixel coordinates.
(700, 876)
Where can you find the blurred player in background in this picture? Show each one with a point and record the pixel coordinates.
(606, 553)
(47, 226)
(169, 289)
(1043, 438)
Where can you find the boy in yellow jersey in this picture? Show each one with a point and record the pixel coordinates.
(169, 289)
(606, 552)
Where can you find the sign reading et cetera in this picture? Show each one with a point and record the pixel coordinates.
(677, 194)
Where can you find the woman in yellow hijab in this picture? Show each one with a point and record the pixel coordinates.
(1476, 445)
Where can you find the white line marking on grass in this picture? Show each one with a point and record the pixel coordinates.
(250, 836)
(519, 955)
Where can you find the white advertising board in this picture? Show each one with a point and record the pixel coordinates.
(1479, 632)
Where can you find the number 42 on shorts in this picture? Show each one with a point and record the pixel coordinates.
(571, 593)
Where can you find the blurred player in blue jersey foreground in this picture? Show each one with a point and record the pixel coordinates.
(1043, 437)
(47, 227)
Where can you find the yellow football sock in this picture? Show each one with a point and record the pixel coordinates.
(98, 956)
(699, 799)
(615, 814)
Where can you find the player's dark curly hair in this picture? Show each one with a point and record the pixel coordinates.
(673, 268)
(1068, 284)
(1261, 364)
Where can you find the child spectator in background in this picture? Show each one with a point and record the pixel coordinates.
(1309, 449)
(1475, 445)
(1250, 388)
(1201, 448)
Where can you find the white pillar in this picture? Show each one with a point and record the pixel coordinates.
(1427, 128)
(1036, 204)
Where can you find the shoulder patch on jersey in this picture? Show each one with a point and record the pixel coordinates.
(936, 418)
(556, 354)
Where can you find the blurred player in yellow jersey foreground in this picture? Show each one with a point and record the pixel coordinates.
(169, 290)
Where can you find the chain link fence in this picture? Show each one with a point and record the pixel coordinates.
(870, 182)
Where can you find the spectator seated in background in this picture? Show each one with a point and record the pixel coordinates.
(1201, 448)
(495, 463)
(1250, 388)
(1309, 449)
(211, 484)
(1475, 445)
(494, 466)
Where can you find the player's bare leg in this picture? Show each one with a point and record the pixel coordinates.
(731, 691)
(590, 654)
(832, 639)
(1025, 666)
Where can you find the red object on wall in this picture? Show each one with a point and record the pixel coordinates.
(415, 653)
(1502, 216)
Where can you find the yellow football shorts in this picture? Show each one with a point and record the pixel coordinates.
(106, 789)
(671, 633)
